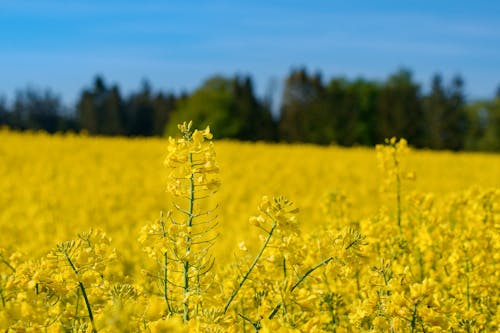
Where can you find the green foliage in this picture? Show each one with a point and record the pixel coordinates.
(365, 112)
(210, 104)
(484, 128)
(399, 111)
(303, 112)
(229, 106)
(35, 109)
(339, 111)
(102, 110)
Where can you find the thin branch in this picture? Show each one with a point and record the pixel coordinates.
(299, 281)
(259, 255)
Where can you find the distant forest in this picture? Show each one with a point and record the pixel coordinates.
(337, 111)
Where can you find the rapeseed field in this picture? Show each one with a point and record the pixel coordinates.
(193, 234)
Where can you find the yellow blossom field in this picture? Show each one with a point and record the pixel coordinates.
(199, 235)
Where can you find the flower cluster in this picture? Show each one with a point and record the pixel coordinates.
(179, 243)
(191, 163)
(355, 259)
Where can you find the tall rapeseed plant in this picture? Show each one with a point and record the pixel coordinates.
(180, 241)
(389, 156)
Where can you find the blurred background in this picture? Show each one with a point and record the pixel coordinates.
(325, 72)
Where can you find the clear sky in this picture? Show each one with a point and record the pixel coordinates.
(176, 44)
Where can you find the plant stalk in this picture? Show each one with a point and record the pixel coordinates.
(84, 293)
(189, 224)
(299, 281)
(245, 276)
(398, 192)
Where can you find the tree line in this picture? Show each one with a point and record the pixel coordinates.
(338, 111)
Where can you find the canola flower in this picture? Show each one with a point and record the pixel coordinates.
(417, 258)
(181, 242)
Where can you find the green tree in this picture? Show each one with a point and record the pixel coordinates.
(454, 118)
(5, 116)
(351, 108)
(113, 114)
(435, 105)
(228, 106)
(163, 106)
(484, 125)
(37, 109)
(140, 112)
(400, 111)
(100, 109)
(342, 112)
(257, 119)
(304, 110)
(87, 113)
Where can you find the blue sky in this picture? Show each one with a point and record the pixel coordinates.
(177, 44)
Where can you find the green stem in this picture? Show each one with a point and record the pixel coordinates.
(165, 283)
(423, 326)
(306, 274)
(414, 319)
(2, 298)
(8, 265)
(189, 224)
(84, 293)
(398, 191)
(299, 281)
(87, 304)
(284, 268)
(245, 276)
(256, 325)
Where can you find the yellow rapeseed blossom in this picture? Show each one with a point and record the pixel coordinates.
(414, 248)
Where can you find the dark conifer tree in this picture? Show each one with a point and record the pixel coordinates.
(302, 102)
(140, 112)
(36, 109)
(400, 111)
(100, 109)
(435, 105)
(454, 121)
(163, 106)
